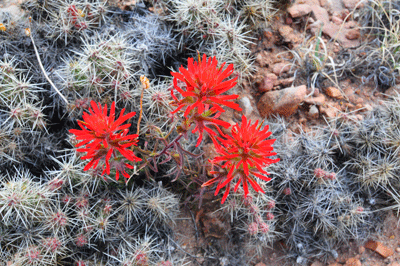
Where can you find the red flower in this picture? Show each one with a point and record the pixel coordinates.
(204, 85)
(244, 154)
(204, 122)
(103, 137)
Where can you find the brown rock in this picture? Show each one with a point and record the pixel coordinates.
(329, 112)
(353, 34)
(268, 82)
(283, 102)
(353, 262)
(337, 32)
(288, 35)
(285, 82)
(379, 248)
(263, 58)
(319, 100)
(321, 14)
(299, 10)
(335, 264)
(280, 68)
(334, 92)
(337, 20)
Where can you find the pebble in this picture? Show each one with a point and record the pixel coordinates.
(313, 113)
(353, 34)
(268, 82)
(334, 92)
(299, 10)
(319, 100)
(353, 262)
(280, 68)
(284, 102)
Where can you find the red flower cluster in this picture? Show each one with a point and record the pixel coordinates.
(103, 137)
(202, 86)
(244, 154)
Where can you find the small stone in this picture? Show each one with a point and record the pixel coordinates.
(361, 250)
(379, 248)
(283, 102)
(397, 249)
(334, 93)
(299, 10)
(260, 264)
(288, 35)
(353, 262)
(313, 113)
(285, 82)
(353, 34)
(268, 82)
(280, 68)
(335, 264)
(337, 20)
(329, 112)
(319, 100)
(246, 105)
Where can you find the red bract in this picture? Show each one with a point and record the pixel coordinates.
(104, 137)
(204, 83)
(244, 154)
(207, 122)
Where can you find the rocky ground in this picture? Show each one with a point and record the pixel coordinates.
(274, 89)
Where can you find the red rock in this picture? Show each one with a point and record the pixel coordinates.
(319, 100)
(353, 34)
(283, 102)
(321, 14)
(285, 82)
(353, 262)
(280, 68)
(288, 35)
(339, 33)
(299, 10)
(379, 248)
(334, 93)
(268, 82)
(329, 112)
(337, 20)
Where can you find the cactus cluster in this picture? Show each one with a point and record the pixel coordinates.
(67, 211)
(219, 27)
